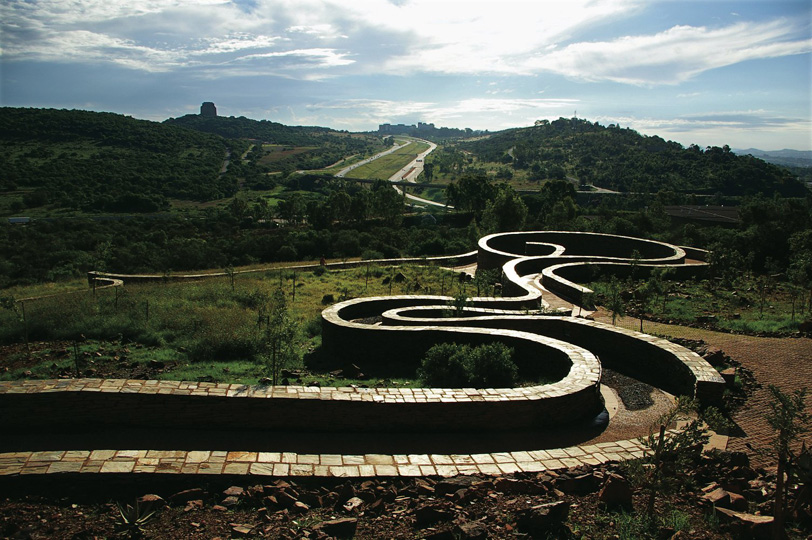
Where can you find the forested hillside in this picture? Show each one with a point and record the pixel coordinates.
(93, 161)
(232, 127)
(284, 148)
(621, 159)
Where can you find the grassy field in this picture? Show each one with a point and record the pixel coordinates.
(384, 167)
(78, 285)
(276, 152)
(748, 306)
(431, 194)
(203, 330)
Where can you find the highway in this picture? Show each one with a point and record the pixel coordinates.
(409, 173)
(412, 170)
(345, 170)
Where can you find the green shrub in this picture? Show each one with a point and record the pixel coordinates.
(445, 365)
(313, 327)
(251, 299)
(456, 366)
(492, 366)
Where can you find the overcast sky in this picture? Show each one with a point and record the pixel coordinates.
(709, 72)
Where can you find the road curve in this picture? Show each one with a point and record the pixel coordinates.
(411, 171)
(345, 170)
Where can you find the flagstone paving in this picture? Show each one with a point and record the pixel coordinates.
(284, 464)
(221, 462)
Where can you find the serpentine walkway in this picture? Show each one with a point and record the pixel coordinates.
(564, 348)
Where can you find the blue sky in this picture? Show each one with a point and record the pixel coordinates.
(706, 73)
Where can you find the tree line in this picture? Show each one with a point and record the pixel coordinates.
(624, 160)
(90, 161)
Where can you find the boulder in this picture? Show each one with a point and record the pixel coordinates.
(453, 484)
(577, 485)
(241, 529)
(544, 519)
(195, 504)
(718, 498)
(473, 530)
(187, 495)
(151, 501)
(737, 502)
(426, 516)
(230, 501)
(714, 356)
(746, 525)
(616, 493)
(353, 504)
(285, 499)
(339, 528)
(234, 491)
(512, 485)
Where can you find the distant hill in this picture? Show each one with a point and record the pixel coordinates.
(621, 159)
(107, 162)
(789, 158)
(315, 147)
(232, 127)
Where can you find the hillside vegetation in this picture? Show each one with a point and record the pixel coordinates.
(232, 127)
(281, 148)
(91, 161)
(621, 159)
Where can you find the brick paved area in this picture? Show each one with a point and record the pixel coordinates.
(295, 464)
(784, 362)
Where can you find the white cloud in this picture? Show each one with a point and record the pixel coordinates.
(94, 47)
(381, 37)
(235, 43)
(363, 113)
(417, 35)
(323, 31)
(742, 129)
(675, 55)
(488, 37)
(318, 57)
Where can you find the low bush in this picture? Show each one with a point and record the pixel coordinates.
(456, 366)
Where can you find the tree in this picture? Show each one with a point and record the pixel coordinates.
(800, 267)
(229, 272)
(661, 283)
(292, 209)
(725, 263)
(339, 203)
(614, 301)
(643, 296)
(556, 202)
(386, 203)
(788, 418)
(280, 336)
(483, 279)
(506, 212)
(361, 205)
(428, 171)
(470, 193)
(674, 452)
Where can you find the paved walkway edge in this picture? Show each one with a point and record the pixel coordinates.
(285, 464)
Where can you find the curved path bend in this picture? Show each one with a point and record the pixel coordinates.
(392, 331)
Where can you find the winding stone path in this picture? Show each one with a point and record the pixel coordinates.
(411, 324)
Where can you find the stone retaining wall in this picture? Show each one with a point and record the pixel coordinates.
(410, 325)
(83, 404)
(451, 260)
(653, 360)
